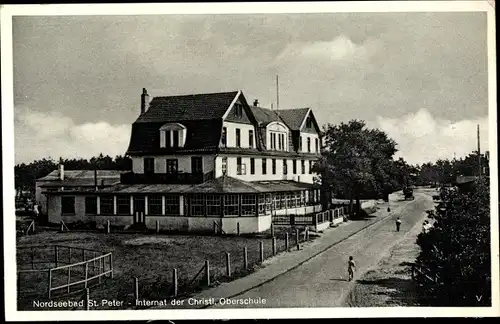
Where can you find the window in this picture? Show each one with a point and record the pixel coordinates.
(262, 204)
(224, 137)
(197, 164)
(273, 141)
(281, 200)
(283, 145)
(279, 142)
(248, 205)
(269, 202)
(154, 205)
(294, 166)
(224, 165)
(213, 205)
(264, 166)
(250, 138)
(149, 165)
(172, 205)
(91, 205)
(176, 138)
(274, 166)
(123, 205)
(172, 166)
(238, 137)
(168, 138)
(107, 205)
(303, 167)
(252, 166)
(317, 144)
(241, 170)
(310, 167)
(68, 205)
(285, 166)
(300, 143)
(231, 205)
(290, 200)
(308, 144)
(197, 205)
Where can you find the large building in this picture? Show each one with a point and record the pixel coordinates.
(206, 160)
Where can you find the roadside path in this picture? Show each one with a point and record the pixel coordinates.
(316, 275)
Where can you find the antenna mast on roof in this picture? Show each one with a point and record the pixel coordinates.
(277, 94)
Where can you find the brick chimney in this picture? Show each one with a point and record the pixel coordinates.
(256, 102)
(144, 101)
(61, 171)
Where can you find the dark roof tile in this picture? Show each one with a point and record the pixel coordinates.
(188, 107)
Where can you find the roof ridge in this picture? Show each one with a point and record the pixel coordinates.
(197, 94)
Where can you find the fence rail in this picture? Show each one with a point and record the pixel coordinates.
(59, 277)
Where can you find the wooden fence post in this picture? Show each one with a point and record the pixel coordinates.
(100, 269)
(86, 273)
(83, 255)
(69, 279)
(274, 245)
(111, 264)
(69, 255)
(136, 288)
(215, 228)
(175, 282)
(297, 238)
(108, 227)
(228, 264)
(50, 283)
(207, 272)
(33, 227)
(272, 230)
(157, 227)
(56, 257)
(238, 228)
(87, 299)
(261, 245)
(286, 242)
(245, 257)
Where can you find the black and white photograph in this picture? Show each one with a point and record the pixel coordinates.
(250, 160)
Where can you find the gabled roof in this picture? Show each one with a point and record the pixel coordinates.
(188, 107)
(265, 116)
(294, 117)
(81, 178)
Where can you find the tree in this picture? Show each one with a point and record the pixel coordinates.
(457, 248)
(357, 161)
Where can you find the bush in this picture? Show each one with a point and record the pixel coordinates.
(457, 248)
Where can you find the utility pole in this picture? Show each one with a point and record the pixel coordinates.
(478, 151)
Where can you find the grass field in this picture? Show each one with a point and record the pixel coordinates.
(151, 258)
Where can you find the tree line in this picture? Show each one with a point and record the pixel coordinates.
(358, 163)
(25, 175)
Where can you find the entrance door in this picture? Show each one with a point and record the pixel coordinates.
(139, 210)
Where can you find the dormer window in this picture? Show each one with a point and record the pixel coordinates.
(172, 135)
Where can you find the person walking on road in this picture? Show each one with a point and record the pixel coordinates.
(351, 266)
(398, 224)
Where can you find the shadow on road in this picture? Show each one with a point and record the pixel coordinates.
(338, 279)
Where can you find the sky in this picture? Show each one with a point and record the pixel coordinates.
(420, 77)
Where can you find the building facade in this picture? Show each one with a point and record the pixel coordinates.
(207, 160)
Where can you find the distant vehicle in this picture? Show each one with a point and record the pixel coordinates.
(408, 193)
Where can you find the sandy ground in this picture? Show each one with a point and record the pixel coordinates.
(389, 282)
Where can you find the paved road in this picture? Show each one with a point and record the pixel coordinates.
(321, 282)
